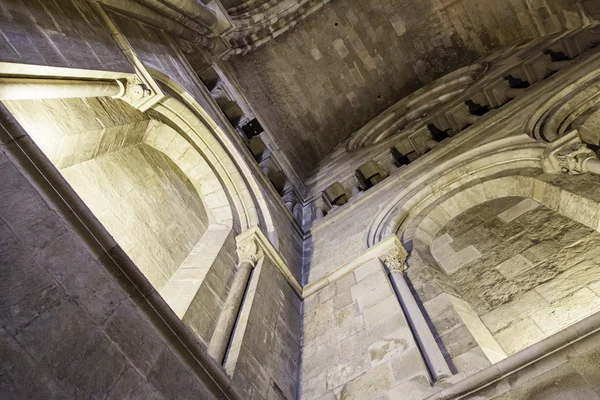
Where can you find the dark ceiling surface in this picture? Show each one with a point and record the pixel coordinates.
(318, 83)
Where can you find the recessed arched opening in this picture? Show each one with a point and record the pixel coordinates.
(506, 262)
(154, 192)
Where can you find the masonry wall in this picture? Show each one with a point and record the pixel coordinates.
(356, 341)
(61, 33)
(320, 82)
(264, 356)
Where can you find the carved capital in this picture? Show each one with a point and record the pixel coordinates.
(568, 155)
(571, 158)
(250, 251)
(394, 261)
(134, 90)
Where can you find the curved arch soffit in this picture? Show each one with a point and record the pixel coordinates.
(518, 152)
(452, 205)
(554, 117)
(409, 111)
(169, 142)
(220, 153)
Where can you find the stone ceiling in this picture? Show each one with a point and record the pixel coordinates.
(317, 84)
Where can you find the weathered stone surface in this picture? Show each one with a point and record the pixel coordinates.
(370, 384)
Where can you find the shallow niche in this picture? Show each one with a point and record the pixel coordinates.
(520, 272)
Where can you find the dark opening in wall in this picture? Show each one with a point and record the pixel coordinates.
(209, 77)
(257, 148)
(437, 133)
(232, 111)
(399, 158)
(252, 128)
(476, 109)
(556, 55)
(516, 82)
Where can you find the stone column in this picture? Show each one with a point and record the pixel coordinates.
(470, 119)
(26, 89)
(249, 253)
(513, 93)
(130, 89)
(431, 144)
(556, 66)
(395, 263)
(319, 213)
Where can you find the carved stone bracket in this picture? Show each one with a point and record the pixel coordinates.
(567, 155)
(134, 91)
(572, 158)
(394, 260)
(250, 251)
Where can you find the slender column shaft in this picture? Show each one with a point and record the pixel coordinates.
(222, 334)
(556, 66)
(592, 165)
(290, 205)
(431, 144)
(319, 213)
(429, 348)
(25, 89)
(471, 118)
(513, 93)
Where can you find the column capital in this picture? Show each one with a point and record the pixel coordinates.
(395, 260)
(253, 245)
(250, 251)
(133, 90)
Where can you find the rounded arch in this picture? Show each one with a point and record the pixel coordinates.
(556, 116)
(202, 132)
(411, 109)
(518, 152)
(170, 143)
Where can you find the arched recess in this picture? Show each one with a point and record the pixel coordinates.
(511, 172)
(250, 207)
(486, 160)
(189, 140)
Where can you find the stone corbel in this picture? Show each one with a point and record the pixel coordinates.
(134, 91)
(250, 251)
(395, 260)
(567, 155)
(253, 245)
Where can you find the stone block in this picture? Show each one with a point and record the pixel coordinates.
(390, 347)
(68, 335)
(568, 310)
(21, 377)
(370, 384)
(347, 370)
(134, 336)
(320, 362)
(408, 364)
(416, 388)
(519, 336)
(368, 284)
(513, 312)
(514, 266)
(471, 361)
(517, 210)
(375, 313)
(542, 251)
(314, 387)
